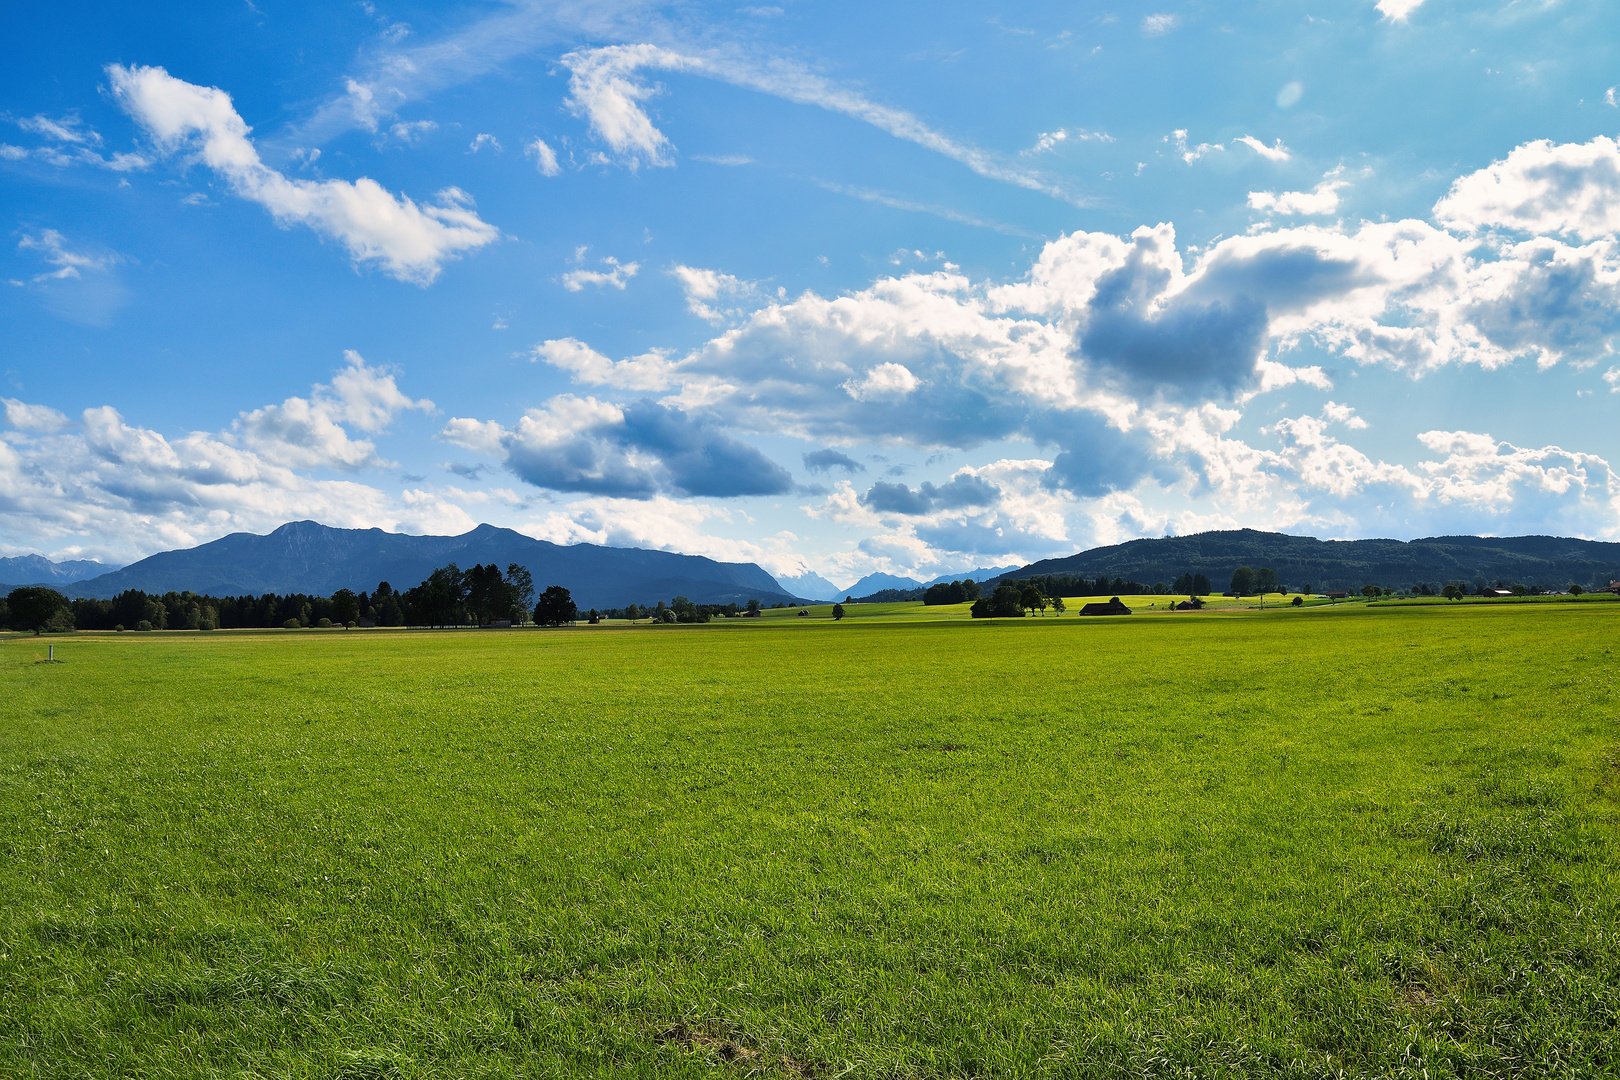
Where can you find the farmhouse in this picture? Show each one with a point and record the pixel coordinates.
(1113, 607)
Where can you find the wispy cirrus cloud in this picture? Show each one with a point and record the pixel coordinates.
(606, 90)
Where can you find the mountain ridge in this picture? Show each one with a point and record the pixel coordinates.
(1545, 561)
(306, 556)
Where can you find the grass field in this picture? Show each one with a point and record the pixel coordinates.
(1358, 841)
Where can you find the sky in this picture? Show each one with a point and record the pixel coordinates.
(834, 288)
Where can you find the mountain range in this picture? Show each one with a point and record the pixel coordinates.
(38, 570)
(1547, 561)
(307, 557)
(813, 586)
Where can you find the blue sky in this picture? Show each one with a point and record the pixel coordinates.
(834, 288)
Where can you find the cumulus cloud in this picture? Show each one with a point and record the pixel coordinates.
(1398, 10)
(821, 461)
(649, 371)
(1566, 189)
(616, 275)
(705, 289)
(1190, 154)
(35, 418)
(130, 490)
(545, 158)
(410, 242)
(605, 90)
(1153, 25)
(1324, 199)
(960, 491)
(576, 444)
(309, 433)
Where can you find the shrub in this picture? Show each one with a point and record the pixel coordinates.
(119, 628)
(350, 625)
(290, 624)
(1299, 601)
(143, 625)
(324, 623)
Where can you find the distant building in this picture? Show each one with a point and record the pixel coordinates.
(1113, 607)
(1496, 592)
(1336, 595)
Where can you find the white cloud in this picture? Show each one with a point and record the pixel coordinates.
(308, 433)
(617, 275)
(1323, 200)
(483, 139)
(1612, 377)
(410, 241)
(1398, 10)
(605, 91)
(636, 451)
(408, 131)
(1190, 154)
(1541, 187)
(68, 129)
(1153, 25)
(888, 380)
(52, 246)
(1609, 99)
(545, 158)
(131, 491)
(26, 417)
(704, 288)
(1051, 140)
(650, 371)
(1275, 152)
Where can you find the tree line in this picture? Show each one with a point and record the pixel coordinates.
(449, 596)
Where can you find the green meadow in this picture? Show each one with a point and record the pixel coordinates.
(1364, 840)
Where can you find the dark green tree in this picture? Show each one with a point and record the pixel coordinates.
(838, 612)
(1265, 580)
(555, 607)
(520, 583)
(489, 597)
(438, 601)
(1201, 585)
(1243, 581)
(345, 607)
(1371, 591)
(1298, 601)
(34, 608)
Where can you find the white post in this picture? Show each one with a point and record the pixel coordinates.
(52, 654)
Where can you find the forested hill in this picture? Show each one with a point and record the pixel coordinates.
(1547, 561)
(307, 557)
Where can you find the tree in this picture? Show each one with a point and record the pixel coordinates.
(555, 607)
(1298, 601)
(838, 612)
(1002, 604)
(1575, 590)
(1243, 581)
(345, 606)
(488, 595)
(1030, 598)
(1452, 592)
(438, 601)
(1058, 605)
(1183, 584)
(1371, 591)
(1265, 581)
(520, 585)
(1201, 586)
(34, 608)
(632, 612)
(753, 609)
